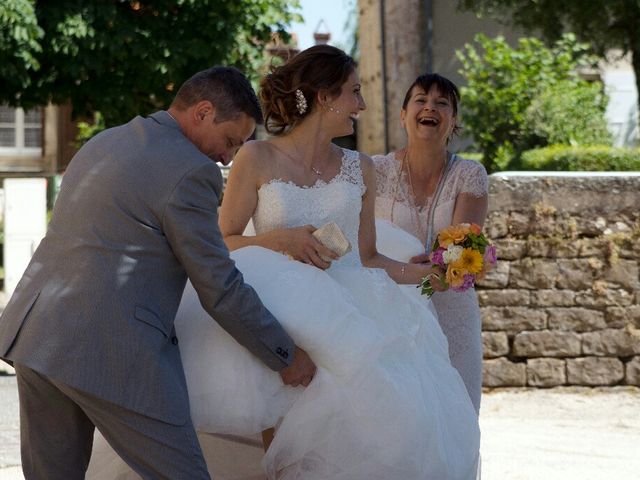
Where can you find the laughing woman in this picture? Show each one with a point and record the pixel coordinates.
(423, 188)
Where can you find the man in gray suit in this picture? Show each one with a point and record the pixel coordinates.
(89, 328)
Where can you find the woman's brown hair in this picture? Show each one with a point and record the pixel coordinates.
(321, 67)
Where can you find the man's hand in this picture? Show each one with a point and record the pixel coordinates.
(301, 371)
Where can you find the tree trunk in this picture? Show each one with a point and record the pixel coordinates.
(371, 125)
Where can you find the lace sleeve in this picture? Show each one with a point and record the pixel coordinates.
(385, 174)
(473, 178)
(351, 170)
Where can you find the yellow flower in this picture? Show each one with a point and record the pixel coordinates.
(455, 276)
(452, 234)
(470, 261)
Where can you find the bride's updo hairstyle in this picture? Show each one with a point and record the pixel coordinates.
(289, 92)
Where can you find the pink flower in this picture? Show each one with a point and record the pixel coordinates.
(468, 282)
(490, 256)
(436, 257)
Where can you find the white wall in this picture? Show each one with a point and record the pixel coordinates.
(25, 224)
(622, 111)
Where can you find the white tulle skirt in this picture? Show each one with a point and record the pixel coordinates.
(385, 402)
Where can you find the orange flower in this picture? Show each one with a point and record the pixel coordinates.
(470, 261)
(455, 276)
(452, 234)
(475, 229)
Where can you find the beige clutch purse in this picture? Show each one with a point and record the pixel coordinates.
(333, 238)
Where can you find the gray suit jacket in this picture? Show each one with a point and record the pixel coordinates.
(136, 216)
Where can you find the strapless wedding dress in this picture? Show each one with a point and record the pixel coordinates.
(385, 404)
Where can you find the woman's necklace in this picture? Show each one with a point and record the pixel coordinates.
(410, 196)
(315, 170)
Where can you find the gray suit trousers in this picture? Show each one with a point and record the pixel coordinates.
(57, 423)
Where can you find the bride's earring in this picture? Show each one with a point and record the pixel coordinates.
(335, 110)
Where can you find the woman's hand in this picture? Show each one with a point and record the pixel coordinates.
(437, 276)
(422, 258)
(301, 245)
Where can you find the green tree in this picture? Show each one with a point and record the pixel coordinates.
(502, 84)
(20, 38)
(124, 57)
(605, 24)
(569, 113)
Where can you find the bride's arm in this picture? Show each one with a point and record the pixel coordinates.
(411, 273)
(250, 169)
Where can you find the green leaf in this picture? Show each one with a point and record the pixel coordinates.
(119, 57)
(515, 97)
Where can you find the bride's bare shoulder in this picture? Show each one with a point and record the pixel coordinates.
(253, 154)
(254, 148)
(365, 159)
(366, 162)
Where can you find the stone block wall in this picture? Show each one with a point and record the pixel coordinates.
(563, 305)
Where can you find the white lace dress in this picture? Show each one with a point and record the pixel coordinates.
(458, 313)
(385, 402)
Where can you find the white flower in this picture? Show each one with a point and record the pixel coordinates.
(452, 253)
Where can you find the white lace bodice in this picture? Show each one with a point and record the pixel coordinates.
(283, 204)
(395, 203)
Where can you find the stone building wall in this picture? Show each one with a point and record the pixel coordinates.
(563, 305)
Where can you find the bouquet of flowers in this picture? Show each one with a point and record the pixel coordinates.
(464, 253)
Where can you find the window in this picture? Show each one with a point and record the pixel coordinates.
(20, 131)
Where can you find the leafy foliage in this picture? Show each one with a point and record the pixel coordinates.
(20, 47)
(509, 90)
(123, 57)
(87, 130)
(569, 112)
(605, 24)
(583, 158)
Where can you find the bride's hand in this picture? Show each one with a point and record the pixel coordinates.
(302, 246)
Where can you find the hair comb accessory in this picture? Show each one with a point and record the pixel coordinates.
(301, 102)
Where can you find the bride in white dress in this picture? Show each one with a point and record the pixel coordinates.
(385, 402)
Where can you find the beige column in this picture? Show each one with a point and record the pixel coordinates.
(371, 126)
(399, 28)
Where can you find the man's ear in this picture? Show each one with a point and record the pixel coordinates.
(202, 109)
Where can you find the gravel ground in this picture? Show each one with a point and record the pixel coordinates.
(561, 434)
(557, 434)
(9, 427)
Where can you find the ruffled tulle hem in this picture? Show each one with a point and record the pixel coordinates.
(385, 402)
